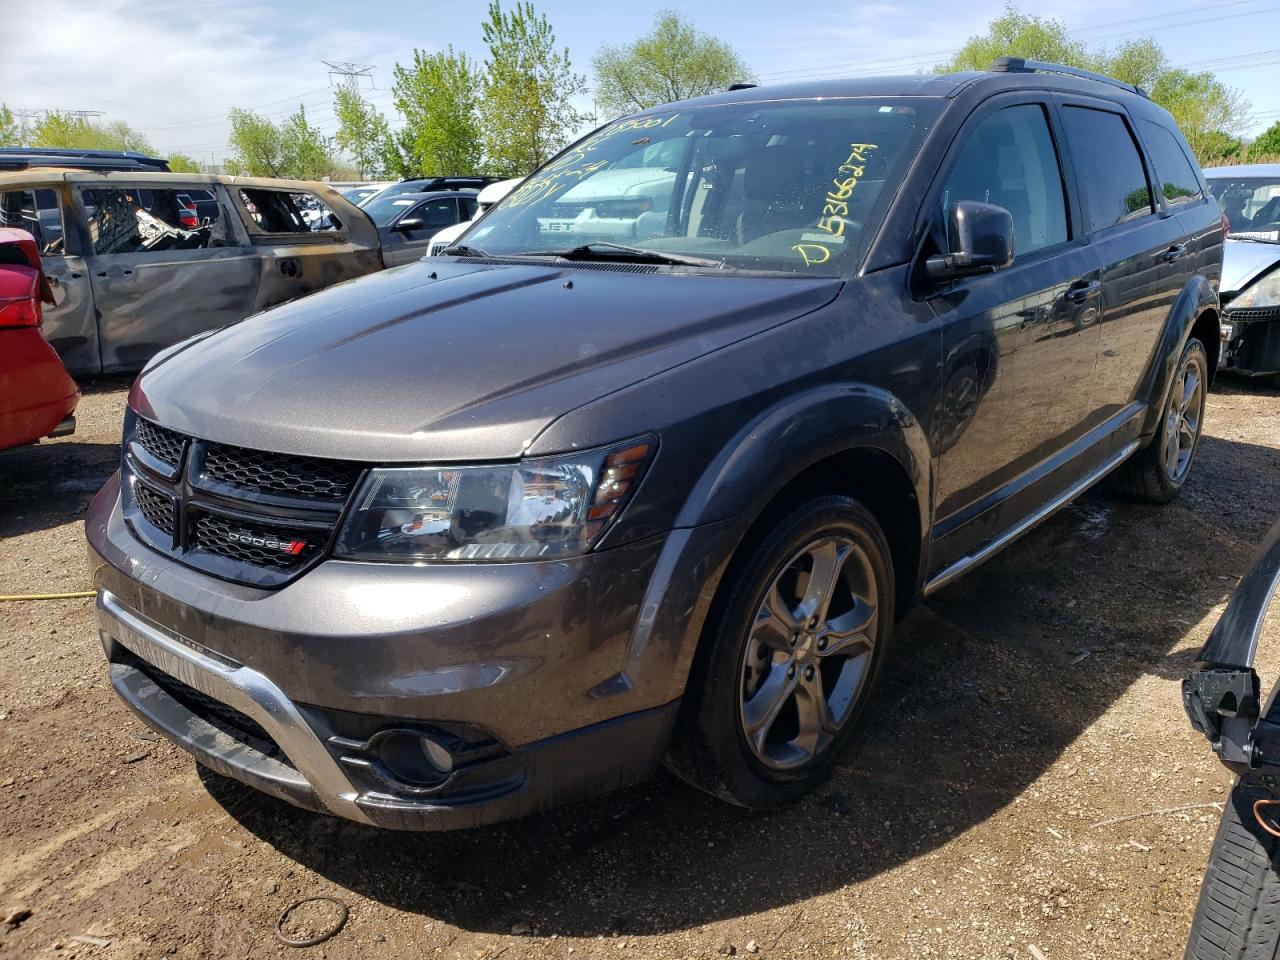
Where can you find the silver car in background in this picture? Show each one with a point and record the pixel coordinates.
(1250, 199)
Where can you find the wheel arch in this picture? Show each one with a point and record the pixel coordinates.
(848, 438)
(1194, 312)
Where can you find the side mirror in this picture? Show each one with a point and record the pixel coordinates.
(410, 223)
(980, 236)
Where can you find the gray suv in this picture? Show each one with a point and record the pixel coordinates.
(647, 466)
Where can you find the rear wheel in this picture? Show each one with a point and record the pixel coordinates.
(789, 660)
(1157, 472)
(1238, 916)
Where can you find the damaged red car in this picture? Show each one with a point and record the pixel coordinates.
(37, 397)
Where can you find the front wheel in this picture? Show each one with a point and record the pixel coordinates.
(790, 658)
(1238, 915)
(1157, 472)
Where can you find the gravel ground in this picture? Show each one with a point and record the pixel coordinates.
(1022, 706)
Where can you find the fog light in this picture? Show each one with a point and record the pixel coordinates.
(437, 755)
(415, 758)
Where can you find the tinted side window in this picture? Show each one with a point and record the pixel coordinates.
(1108, 165)
(438, 213)
(1010, 160)
(37, 212)
(1174, 172)
(145, 220)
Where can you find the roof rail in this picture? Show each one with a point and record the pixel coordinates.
(1021, 65)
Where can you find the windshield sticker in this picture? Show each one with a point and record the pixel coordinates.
(577, 163)
(818, 247)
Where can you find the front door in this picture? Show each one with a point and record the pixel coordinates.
(1020, 344)
(410, 235)
(155, 281)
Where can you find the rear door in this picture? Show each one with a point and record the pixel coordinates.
(1134, 240)
(305, 235)
(1019, 344)
(1183, 192)
(156, 281)
(69, 324)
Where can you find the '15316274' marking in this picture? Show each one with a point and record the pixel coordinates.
(817, 248)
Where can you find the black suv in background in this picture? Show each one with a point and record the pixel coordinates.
(649, 466)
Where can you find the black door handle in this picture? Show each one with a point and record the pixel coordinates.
(1082, 291)
(1176, 252)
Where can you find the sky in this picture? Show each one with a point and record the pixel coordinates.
(173, 69)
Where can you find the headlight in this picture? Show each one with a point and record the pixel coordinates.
(1264, 293)
(532, 510)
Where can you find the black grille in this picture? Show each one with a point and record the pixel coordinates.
(259, 545)
(157, 507)
(1253, 314)
(281, 473)
(227, 719)
(162, 443)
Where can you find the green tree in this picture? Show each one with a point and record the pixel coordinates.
(56, 129)
(1203, 107)
(1268, 142)
(181, 163)
(1206, 109)
(362, 130)
(674, 61)
(305, 153)
(527, 112)
(257, 146)
(1015, 34)
(11, 133)
(439, 98)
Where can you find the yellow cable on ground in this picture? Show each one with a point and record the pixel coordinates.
(49, 596)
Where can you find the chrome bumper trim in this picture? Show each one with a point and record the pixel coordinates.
(241, 688)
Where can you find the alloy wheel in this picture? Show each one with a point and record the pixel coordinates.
(1182, 420)
(809, 652)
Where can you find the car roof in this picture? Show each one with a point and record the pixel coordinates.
(941, 86)
(1244, 170)
(433, 195)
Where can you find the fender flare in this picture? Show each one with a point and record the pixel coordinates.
(804, 429)
(1196, 298)
(751, 468)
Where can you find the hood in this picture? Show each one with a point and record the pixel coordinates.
(452, 360)
(1244, 261)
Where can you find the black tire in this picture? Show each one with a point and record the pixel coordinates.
(710, 749)
(1146, 475)
(1238, 915)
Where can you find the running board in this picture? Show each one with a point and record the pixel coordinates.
(971, 560)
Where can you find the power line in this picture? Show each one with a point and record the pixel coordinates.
(932, 58)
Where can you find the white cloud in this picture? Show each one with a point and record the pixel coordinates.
(168, 67)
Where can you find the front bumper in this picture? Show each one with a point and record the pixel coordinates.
(1251, 340)
(544, 682)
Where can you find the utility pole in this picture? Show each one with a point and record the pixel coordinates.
(351, 73)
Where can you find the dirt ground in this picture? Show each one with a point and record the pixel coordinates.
(1022, 706)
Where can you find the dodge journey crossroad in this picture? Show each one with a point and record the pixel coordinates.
(645, 468)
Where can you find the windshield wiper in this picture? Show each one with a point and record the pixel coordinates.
(607, 250)
(1259, 237)
(462, 250)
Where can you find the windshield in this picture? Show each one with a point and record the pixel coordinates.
(793, 186)
(383, 210)
(1252, 204)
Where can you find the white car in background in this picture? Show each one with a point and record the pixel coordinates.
(484, 200)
